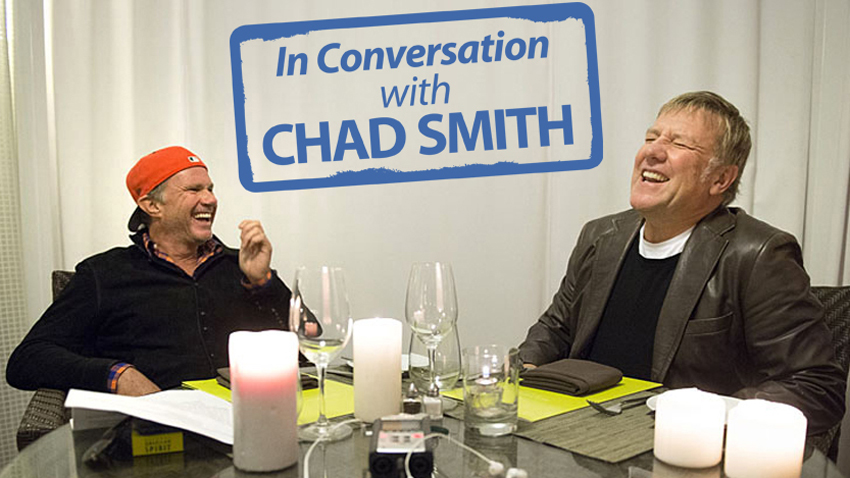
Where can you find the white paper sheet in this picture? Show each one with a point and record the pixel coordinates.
(191, 410)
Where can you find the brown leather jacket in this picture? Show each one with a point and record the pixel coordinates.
(739, 317)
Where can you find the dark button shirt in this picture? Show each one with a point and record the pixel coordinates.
(124, 305)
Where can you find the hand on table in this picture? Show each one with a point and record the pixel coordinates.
(134, 383)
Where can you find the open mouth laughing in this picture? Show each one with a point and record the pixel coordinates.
(203, 216)
(653, 177)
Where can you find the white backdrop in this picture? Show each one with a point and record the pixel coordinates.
(99, 83)
(125, 78)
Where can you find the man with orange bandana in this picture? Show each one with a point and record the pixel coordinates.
(134, 320)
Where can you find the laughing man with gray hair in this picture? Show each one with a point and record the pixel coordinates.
(684, 290)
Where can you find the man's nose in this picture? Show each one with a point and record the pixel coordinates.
(655, 152)
(209, 197)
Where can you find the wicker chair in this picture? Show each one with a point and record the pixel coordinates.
(46, 410)
(836, 305)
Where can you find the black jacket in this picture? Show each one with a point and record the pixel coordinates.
(125, 306)
(739, 317)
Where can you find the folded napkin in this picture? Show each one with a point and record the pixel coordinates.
(572, 377)
(223, 379)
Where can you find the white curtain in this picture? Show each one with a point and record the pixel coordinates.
(129, 77)
(120, 79)
(13, 307)
(824, 221)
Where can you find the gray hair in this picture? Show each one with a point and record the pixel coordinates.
(733, 143)
(156, 194)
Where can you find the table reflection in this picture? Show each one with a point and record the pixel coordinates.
(57, 455)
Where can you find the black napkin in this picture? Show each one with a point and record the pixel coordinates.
(223, 379)
(572, 377)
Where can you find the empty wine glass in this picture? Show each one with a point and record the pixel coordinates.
(446, 362)
(299, 397)
(447, 365)
(431, 309)
(319, 314)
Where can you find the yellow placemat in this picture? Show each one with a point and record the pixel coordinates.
(339, 398)
(535, 404)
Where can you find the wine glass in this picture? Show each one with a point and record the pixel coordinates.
(431, 309)
(299, 397)
(319, 314)
(447, 364)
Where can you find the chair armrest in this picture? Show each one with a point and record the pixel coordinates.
(45, 412)
(825, 442)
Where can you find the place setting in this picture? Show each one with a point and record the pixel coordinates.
(580, 406)
(604, 414)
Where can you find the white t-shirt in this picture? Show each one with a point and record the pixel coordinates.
(665, 249)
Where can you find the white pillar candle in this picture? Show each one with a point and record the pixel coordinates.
(765, 439)
(663, 470)
(263, 382)
(377, 368)
(689, 428)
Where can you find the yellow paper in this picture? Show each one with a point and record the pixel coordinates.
(210, 386)
(339, 398)
(535, 404)
(339, 401)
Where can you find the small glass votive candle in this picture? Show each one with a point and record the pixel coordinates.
(490, 389)
(689, 428)
(765, 439)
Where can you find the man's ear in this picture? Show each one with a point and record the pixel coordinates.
(722, 179)
(151, 207)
